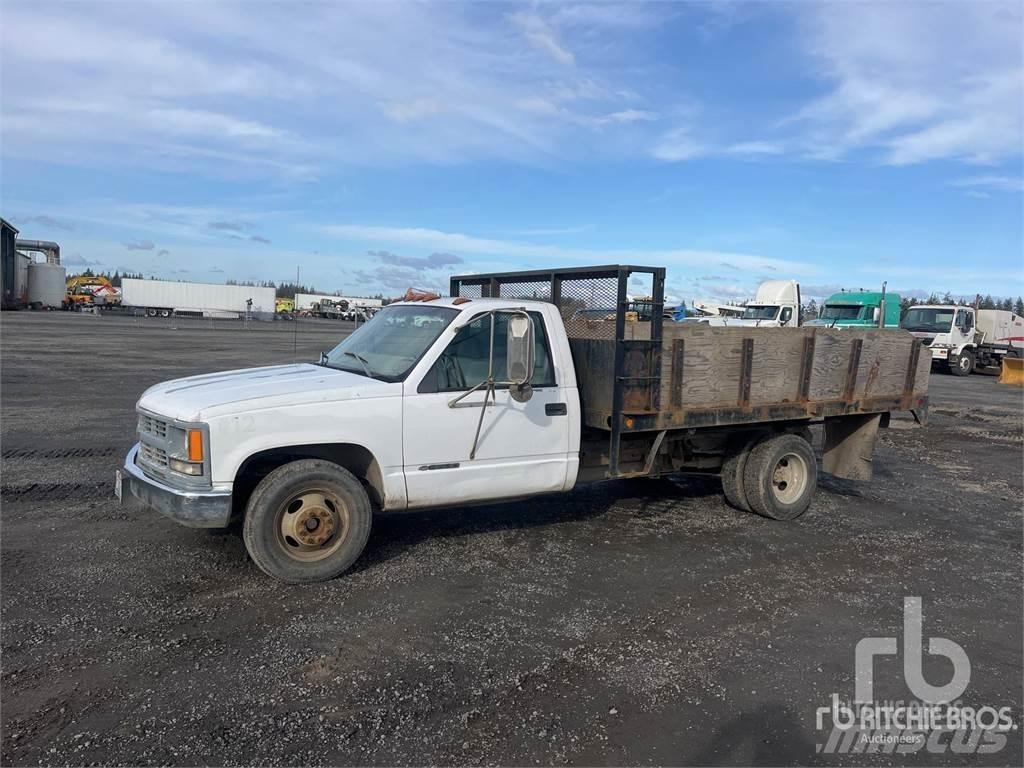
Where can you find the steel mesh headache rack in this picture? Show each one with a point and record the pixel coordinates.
(595, 305)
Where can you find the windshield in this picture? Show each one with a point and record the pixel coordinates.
(932, 320)
(767, 312)
(391, 342)
(841, 312)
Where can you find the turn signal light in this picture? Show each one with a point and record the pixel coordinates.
(195, 445)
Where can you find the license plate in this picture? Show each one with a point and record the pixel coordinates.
(117, 484)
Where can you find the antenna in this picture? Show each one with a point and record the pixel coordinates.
(295, 320)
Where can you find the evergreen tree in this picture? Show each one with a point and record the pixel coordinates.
(1018, 306)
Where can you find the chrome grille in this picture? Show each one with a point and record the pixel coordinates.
(151, 426)
(151, 455)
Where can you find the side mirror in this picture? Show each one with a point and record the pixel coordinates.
(874, 314)
(519, 356)
(323, 358)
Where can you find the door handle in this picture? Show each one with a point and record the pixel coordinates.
(555, 409)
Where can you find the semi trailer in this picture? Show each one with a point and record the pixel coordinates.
(962, 339)
(504, 390)
(164, 298)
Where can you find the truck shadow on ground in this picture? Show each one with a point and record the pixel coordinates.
(394, 534)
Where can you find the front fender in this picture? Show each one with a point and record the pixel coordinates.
(374, 424)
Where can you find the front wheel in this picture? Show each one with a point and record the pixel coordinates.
(962, 364)
(307, 521)
(781, 476)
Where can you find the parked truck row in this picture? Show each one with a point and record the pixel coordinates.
(961, 339)
(503, 391)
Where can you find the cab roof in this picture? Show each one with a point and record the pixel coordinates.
(860, 298)
(462, 302)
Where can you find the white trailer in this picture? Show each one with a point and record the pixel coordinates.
(964, 338)
(167, 297)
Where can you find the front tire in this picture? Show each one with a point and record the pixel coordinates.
(307, 521)
(962, 364)
(781, 476)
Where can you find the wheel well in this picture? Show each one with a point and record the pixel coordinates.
(355, 458)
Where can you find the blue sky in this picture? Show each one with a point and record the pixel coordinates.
(382, 145)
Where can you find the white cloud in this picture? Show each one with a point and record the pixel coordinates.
(541, 36)
(914, 82)
(287, 94)
(413, 110)
(629, 116)
(462, 244)
(678, 145)
(756, 148)
(993, 182)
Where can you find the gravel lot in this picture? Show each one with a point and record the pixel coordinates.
(642, 622)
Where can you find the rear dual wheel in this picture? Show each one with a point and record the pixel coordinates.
(776, 477)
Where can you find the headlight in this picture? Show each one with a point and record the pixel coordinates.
(181, 447)
(186, 450)
(185, 467)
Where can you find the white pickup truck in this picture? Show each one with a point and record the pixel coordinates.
(453, 401)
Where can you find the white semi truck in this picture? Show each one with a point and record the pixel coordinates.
(775, 305)
(965, 338)
(493, 395)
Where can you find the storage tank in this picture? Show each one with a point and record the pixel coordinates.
(46, 284)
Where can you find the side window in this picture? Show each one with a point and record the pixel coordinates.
(464, 362)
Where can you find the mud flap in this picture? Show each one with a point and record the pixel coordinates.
(849, 444)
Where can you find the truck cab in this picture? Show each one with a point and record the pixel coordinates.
(776, 305)
(964, 338)
(948, 330)
(859, 309)
(401, 401)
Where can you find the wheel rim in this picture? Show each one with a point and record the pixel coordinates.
(790, 477)
(965, 363)
(312, 525)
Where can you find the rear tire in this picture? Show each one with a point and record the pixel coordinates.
(732, 478)
(307, 521)
(962, 364)
(780, 477)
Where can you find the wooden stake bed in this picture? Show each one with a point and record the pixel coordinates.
(701, 375)
(638, 372)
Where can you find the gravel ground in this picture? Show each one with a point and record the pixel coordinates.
(642, 622)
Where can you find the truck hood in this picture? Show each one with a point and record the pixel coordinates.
(198, 398)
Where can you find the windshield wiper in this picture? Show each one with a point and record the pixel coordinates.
(362, 361)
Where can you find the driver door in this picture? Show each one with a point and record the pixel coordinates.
(523, 446)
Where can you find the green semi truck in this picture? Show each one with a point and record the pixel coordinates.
(859, 309)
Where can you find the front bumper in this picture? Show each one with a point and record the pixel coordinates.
(196, 509)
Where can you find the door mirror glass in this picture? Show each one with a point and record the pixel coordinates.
(875, 313)
(519, 349)
(787, 313)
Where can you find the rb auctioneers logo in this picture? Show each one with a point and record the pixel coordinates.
(934, 721)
